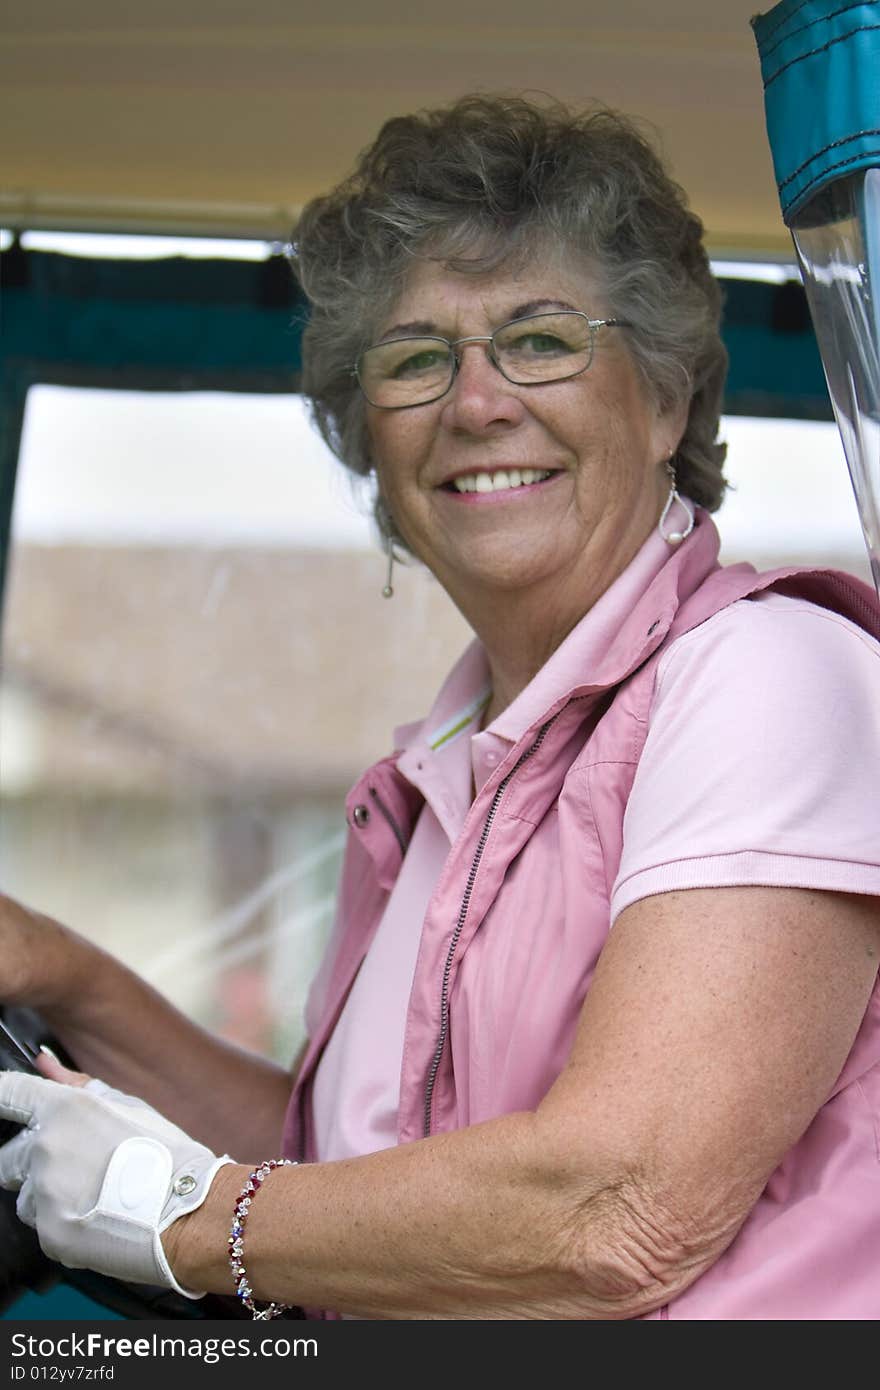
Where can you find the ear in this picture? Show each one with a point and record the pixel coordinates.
(671, 425)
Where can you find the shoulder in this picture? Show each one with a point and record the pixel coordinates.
(769, 616)
(760, 758)
(772, 648)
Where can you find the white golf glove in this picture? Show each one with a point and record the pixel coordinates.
(101, 1175)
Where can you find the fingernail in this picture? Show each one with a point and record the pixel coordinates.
(49, 1053)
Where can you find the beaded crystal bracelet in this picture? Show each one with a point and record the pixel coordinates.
(236, 1238)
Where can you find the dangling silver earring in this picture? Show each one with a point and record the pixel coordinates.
(388, 591)
(675, 537)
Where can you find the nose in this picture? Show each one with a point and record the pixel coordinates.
(480, 394)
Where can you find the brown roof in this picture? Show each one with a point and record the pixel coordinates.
(227, 669)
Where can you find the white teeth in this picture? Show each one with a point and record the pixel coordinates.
(500, 481)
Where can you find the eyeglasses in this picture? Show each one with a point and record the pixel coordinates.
(531, 351)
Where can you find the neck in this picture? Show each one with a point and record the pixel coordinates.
(516, 651)
(521, 627)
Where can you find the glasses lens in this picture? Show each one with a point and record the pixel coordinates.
(405, 371)
(545, 347)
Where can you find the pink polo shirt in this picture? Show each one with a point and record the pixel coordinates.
(734, 787)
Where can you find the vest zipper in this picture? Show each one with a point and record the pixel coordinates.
(462, 917)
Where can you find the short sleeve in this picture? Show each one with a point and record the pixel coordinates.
(761, 763)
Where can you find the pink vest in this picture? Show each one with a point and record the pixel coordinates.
(515, 926)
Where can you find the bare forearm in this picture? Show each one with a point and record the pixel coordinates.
(475, 1224)
(118, 1027)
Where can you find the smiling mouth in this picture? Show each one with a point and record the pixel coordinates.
(501, 481)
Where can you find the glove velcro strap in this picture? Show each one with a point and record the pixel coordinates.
(136, 1182)
(134, 1194)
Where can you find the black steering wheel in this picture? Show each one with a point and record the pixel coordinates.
(23, 1266)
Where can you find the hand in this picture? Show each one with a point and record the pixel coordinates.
(100, 1175)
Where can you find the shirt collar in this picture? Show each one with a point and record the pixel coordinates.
(582, 650)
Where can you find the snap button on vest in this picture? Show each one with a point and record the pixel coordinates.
(361, 816)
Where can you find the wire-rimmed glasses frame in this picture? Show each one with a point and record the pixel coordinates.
(393, 366)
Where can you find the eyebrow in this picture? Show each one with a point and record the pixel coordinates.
(425, 328)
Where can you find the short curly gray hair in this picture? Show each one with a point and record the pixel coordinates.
(491, 181)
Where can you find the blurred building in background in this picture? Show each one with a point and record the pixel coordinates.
(181, 720)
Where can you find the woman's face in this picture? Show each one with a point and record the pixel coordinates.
(597, 441)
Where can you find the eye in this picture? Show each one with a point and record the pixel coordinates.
(420, 363)
(537, 344)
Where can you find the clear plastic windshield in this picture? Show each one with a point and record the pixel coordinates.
(837, 238)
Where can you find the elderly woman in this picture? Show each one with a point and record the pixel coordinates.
(598, 1031)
